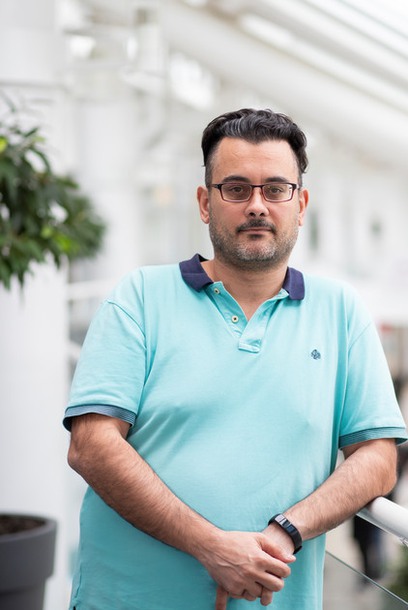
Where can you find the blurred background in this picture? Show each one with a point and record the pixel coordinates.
(122, 91)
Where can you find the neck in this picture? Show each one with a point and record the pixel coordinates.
(250, 288)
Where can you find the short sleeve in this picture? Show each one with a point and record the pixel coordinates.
(370, 408)
(110, 373)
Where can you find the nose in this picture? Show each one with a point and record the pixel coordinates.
(257, 206)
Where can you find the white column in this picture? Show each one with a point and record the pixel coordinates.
(33, 382)
(107, 139)
(33, 323)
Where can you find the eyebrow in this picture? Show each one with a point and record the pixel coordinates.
(238, 178)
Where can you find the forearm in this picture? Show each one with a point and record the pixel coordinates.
(367, 472)
(120, 476)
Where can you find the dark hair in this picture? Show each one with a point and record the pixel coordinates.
(254, 126)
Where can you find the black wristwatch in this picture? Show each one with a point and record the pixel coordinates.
(289, 528)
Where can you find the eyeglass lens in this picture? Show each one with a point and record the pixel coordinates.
(275, 191)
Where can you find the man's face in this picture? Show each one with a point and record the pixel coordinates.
(255, 234)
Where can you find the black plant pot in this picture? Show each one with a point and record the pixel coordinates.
(27, 549)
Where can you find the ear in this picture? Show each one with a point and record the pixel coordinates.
(203, 204)
(303, 203)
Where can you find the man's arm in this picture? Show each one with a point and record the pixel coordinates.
(239, 561)
(368, 471)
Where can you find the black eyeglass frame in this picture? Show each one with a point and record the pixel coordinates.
(219, 186)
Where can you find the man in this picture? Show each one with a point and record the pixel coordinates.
(212, 396)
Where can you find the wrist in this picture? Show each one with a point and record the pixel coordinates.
(204, 541)
(289, 530)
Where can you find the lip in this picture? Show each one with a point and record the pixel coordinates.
(256, 230)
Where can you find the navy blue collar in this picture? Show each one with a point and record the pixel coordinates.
(194, 275)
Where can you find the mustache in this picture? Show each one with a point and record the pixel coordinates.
(257, 223)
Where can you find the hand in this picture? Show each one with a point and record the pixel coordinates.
(245, 564)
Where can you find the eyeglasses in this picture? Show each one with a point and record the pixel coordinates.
(238, 192)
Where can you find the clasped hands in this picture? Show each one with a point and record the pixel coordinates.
(248, 565)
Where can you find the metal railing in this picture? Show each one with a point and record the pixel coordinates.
(347, 586)
(388, 516)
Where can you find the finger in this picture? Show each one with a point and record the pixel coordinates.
(251, 593)
(249, 597)
(269, 581)
(275, 550)
(253, 590)
(275, 566)
(244, 595)
(266, 597)
(221, 599)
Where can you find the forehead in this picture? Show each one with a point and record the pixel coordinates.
(235, 156)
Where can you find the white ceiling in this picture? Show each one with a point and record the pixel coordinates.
(339, 65)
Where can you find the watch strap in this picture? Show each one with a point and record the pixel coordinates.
(289, 528)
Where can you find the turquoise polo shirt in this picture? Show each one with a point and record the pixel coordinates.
(241, 419)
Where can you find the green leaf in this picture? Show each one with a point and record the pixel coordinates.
(31, 132)
(42, 213)
(5, 274)
(43, 158)
(3, 144)
(47, 232)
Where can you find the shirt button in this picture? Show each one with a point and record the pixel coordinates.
(234, 319)
(216, 290)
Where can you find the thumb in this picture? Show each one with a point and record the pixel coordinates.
(276, 550)
(221, 599)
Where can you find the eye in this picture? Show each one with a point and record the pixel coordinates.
(276, 189)
(234, 189)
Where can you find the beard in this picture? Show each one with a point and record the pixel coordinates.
(258, 252)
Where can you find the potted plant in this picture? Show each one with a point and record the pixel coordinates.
(44, 219)
(43, 215)
(27, 548)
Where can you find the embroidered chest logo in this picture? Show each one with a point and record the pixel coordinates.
(316, 355)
